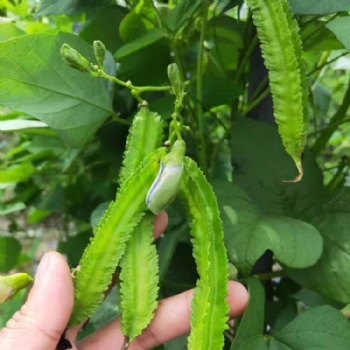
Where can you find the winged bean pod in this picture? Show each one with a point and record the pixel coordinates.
(139, 275)
(209, 307)
(281, 47)
(103, 254)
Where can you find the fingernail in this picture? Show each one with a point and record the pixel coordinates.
(42, 268)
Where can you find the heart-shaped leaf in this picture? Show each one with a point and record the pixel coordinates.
(330, 276)
(249, 232)
(319, 328)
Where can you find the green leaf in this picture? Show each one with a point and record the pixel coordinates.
(317, 37)
(182, 13)
(249, 233)
(104, 26)
(218, 91)
(139, 66)
(341, 27)
(318, 328)
(146, 39)
(70, 7)
(10, 249)
(17, 173)
(339, 201)
(330, 276)
(318, 7)
(9, 308)
(138, 21)
(11, 208)
(250, 331)
(21, 124)
(39, 84)
(226, 38)
(9, 31)
(259, 167)
(312, 299)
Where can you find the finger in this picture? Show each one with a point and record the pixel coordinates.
(160, 224)
(43, 318)
(172, 319)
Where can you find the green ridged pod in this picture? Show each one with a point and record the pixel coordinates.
(209, 307)
(281, 47)
(139, 274)
(145, 136)
(106, 248)
(140, 280)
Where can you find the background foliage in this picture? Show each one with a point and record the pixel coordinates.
(63, 134)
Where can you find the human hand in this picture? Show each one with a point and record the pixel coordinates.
(43, 318)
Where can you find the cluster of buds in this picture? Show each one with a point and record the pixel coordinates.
(77, 61)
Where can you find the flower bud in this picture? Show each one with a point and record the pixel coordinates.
(100, 52)
(74, 59)
(175, 78)
(166, 185)
(10, 285)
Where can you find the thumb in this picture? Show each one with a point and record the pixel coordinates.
(43, 318)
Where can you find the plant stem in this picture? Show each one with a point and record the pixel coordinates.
(245, 58)
(137, 89)
(326, 63)
(337, 119)
(259, 89)
(199, 89)
(256, 101)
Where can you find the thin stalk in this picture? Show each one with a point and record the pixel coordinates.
(256, 101)
(260, 88)
(245, 58)
(328, 127)
(199, 89)
(137, 90)
(338, 178)
(337, 118)
(177, 59)
(320, 27)
(322, 65)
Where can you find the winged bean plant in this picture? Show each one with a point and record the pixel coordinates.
(230, 115)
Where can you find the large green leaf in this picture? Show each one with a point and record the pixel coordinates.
(104, 26)
(22, 125)
(330, 276)
(70, 7)
(318, 7)
(36, 81)
(341, 27)
(144, 40)
(17, 173)
(250, 332)
(260, 164)
(249, 233)
(181, 14)
(316, 329)
(10, 248)
(11, 207)
(9, 31)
